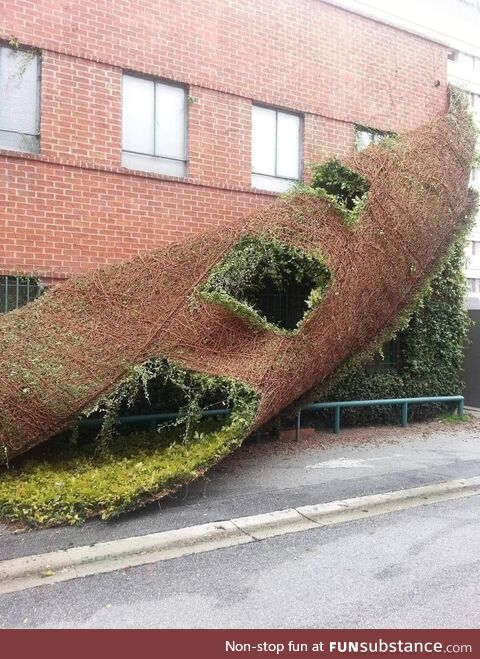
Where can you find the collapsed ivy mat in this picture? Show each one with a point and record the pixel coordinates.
(351, 254)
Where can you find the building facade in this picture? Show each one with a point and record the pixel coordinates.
(464, 71)
(457, 24)
(128, 125)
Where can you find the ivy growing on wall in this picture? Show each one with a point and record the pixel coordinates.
(430, 352)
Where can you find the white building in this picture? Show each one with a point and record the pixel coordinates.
(464, 71)
(457, 24)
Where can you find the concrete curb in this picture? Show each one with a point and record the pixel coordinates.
(62, 565)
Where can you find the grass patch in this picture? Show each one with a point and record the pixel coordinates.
(453, 417)
(64, 483)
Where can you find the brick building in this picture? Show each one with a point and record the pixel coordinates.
(126, 125)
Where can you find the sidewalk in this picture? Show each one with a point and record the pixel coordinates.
(273, 475)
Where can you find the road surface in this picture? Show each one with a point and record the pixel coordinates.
(412, 568)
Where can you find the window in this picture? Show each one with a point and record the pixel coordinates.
(475, 178)
(267, 282)
(389, 358)
(465, 65)
(473, 285)
(154, 126)
(367, 136)
(475, 106)
(15, 291)
(275, 148)
(19, 100)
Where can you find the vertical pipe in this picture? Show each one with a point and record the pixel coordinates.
(404, 415)
(17, 292)
(297, 432)
(461, 407)
(6, 293)
(336, 422)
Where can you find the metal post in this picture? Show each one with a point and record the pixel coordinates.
(404, 415)
(5, 309)
(297, 432)
(461, 407)
(336, 421)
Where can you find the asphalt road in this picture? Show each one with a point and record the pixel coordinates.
(273, 475)
(415, 568)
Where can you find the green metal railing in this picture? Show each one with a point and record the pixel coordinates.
(403, 402)
(153, 419)
(148, 419)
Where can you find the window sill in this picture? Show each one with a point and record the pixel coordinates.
(154, 165)
(274, 184)
(31, 149)
(78, 163)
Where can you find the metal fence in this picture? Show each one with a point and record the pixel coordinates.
(284, 309)
(17, 290)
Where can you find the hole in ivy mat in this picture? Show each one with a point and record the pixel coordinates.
(345, 187)
(124, 467)
(268, 283)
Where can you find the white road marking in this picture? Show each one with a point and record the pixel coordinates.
(351, 463)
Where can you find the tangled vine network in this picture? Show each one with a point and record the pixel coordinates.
(360, 262)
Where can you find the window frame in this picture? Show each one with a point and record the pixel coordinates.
(171, 83)
(373, 132)
(38, 99)
(474, 104)
(389, 358)
(301, 127)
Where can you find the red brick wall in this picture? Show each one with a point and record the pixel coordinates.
(74, 207)
(80, 111)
